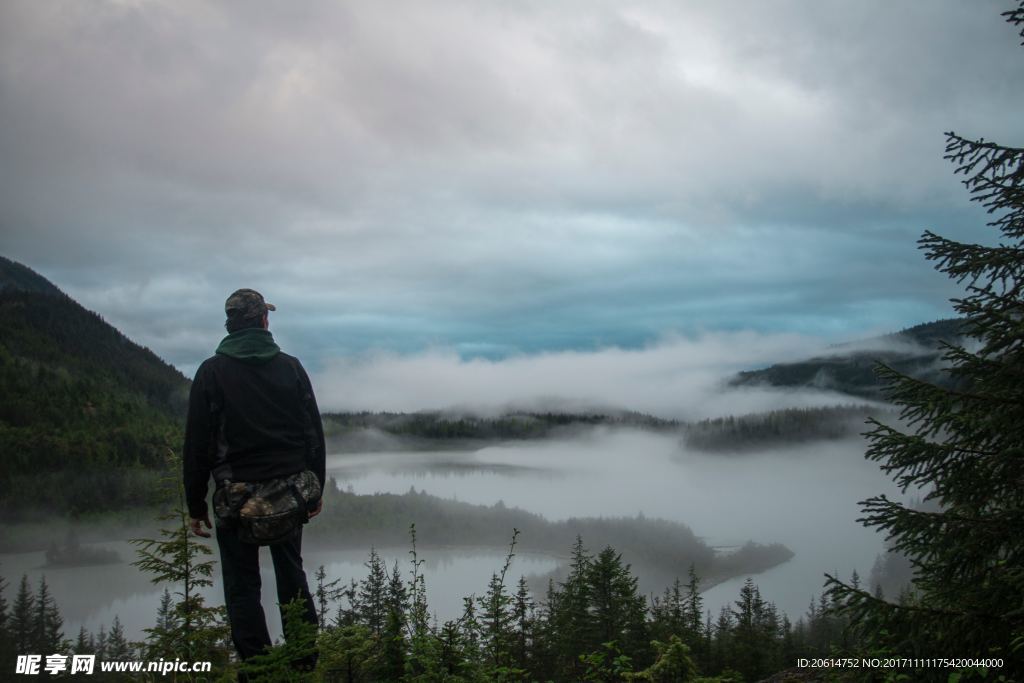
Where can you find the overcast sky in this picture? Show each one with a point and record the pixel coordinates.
(496, 179)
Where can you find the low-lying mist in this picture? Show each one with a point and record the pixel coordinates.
(677, 377)
(804, 496)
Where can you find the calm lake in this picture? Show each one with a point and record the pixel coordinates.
(804, 497)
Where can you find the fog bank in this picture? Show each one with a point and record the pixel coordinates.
(677, 377)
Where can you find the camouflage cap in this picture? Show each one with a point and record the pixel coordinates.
(246, 303)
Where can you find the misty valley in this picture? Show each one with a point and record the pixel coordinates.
(782, 513)
(615, 342)
(737, 500)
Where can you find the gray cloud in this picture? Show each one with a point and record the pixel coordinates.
(493, 177)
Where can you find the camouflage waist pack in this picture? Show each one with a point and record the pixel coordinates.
(266, 512)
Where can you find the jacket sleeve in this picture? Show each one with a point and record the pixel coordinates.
(318, 452)
(196, 463)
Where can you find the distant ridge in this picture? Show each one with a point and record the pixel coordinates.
(15, 276)
(849, 368)
(928, 335)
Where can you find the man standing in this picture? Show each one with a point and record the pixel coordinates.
(252, 417)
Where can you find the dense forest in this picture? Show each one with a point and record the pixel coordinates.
(86, 415)
(362, 430)
(661, 547)
(759, 431)
(367, 432)
(593, 624)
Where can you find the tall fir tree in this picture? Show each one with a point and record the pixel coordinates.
(570, 615)
(469, 627)
(964, 447)
(163, 639)
(544, 655)
(7, 652)
(117, 646)
(48, 638)
(84, 644)
(496, 617)
(4, 624)
(23, 620)
(100, 646)
(750, 643)
(326, 593)
(694, 610)
(373, 610)
(668, 613)
(424, 647)
(617, 610)
(524, 625)
(394, 646)
(177, 558)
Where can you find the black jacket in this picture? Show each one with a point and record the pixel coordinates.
(249, 422)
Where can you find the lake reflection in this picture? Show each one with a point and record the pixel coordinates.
(804, 497)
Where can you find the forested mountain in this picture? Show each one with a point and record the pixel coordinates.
(915, 351)
(85, 414)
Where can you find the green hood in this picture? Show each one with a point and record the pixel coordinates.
(252, 345)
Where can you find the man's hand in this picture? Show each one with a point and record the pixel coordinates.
(196, 524)
(319, 506)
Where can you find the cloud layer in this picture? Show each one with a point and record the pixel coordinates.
(682, 378)
(490, 177)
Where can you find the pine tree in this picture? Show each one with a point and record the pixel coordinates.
(47, 635)
(694, 636)
(291, 660)
(722, 645)
(525, 624)
(163, 639)
(117, 646)
(348, 611)
(750, 639)
(346, 650)
(544, 653)
(23, 618)
(962, 446)
(470, 632)
(496, 615)
(326, 593)
(7, 652)
(177, 558)
(394, 651)
(617, 610)
(569, 614)
(423, 662)
(100, 647)
(84, 645)
(371, 594)
(3, 606)
(668, 613)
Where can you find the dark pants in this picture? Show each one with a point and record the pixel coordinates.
(241, 566)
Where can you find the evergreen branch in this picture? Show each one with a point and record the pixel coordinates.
(883, 502)
(1016, 17)
(866, 597)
